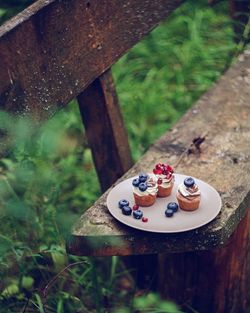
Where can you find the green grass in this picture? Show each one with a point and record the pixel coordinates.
(47, 178)
(163, 75)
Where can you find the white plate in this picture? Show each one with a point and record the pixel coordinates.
(209, 208)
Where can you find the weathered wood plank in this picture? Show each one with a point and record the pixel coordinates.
(210, 281)
(105, 130)
(224, 163)
(54, 49)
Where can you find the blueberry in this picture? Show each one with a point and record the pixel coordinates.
(123, 203)
(189, 182)
(173, 206)
(126, 210)
(136, 182)
(169, 213)
(143, 177)
(143, 186)
(137, 214)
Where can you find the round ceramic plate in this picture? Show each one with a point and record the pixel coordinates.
(209, 208)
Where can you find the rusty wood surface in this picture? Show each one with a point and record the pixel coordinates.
(224, 163)
(54, 49)
(105, 130)
(210, 281)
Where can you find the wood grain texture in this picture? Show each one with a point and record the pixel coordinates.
(105, 130)
(210, 281)
(53, 50)
(224, 163)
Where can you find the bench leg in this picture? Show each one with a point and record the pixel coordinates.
(210, 281)
(143, 270)
(105, 130)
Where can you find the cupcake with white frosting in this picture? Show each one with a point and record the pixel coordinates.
(145, 189)
(165, 179)
(188, 195)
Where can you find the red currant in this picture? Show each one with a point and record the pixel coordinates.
(135, 207)
(158, 167)
(169, 169)
(157, 172)
(144, 219)
(159, 181)
(169, 175)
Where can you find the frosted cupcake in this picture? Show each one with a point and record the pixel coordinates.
(165, 179)
(188, 195)
(145, 189)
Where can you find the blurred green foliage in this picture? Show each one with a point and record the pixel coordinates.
(150, 303)
(47, 177)
(12, 7)
(162, 76)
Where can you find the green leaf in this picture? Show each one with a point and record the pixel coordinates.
(27, 282)
(10, 290)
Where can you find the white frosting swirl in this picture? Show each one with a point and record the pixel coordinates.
(152, 187)
(189, 192)
(166, 182)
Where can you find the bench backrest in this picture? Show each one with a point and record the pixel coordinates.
(57, 50)
(54, 49)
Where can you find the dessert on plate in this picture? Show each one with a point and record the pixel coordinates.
(145, 189)
(188, 195)
(165, 179)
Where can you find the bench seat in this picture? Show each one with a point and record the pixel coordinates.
(222, 114)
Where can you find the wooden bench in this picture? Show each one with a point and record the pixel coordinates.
(207, 268)
(57, 50)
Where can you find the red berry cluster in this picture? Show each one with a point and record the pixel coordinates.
(163, 169)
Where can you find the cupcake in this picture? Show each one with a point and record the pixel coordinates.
(145, 189)
(165, 179)
(188, 195)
